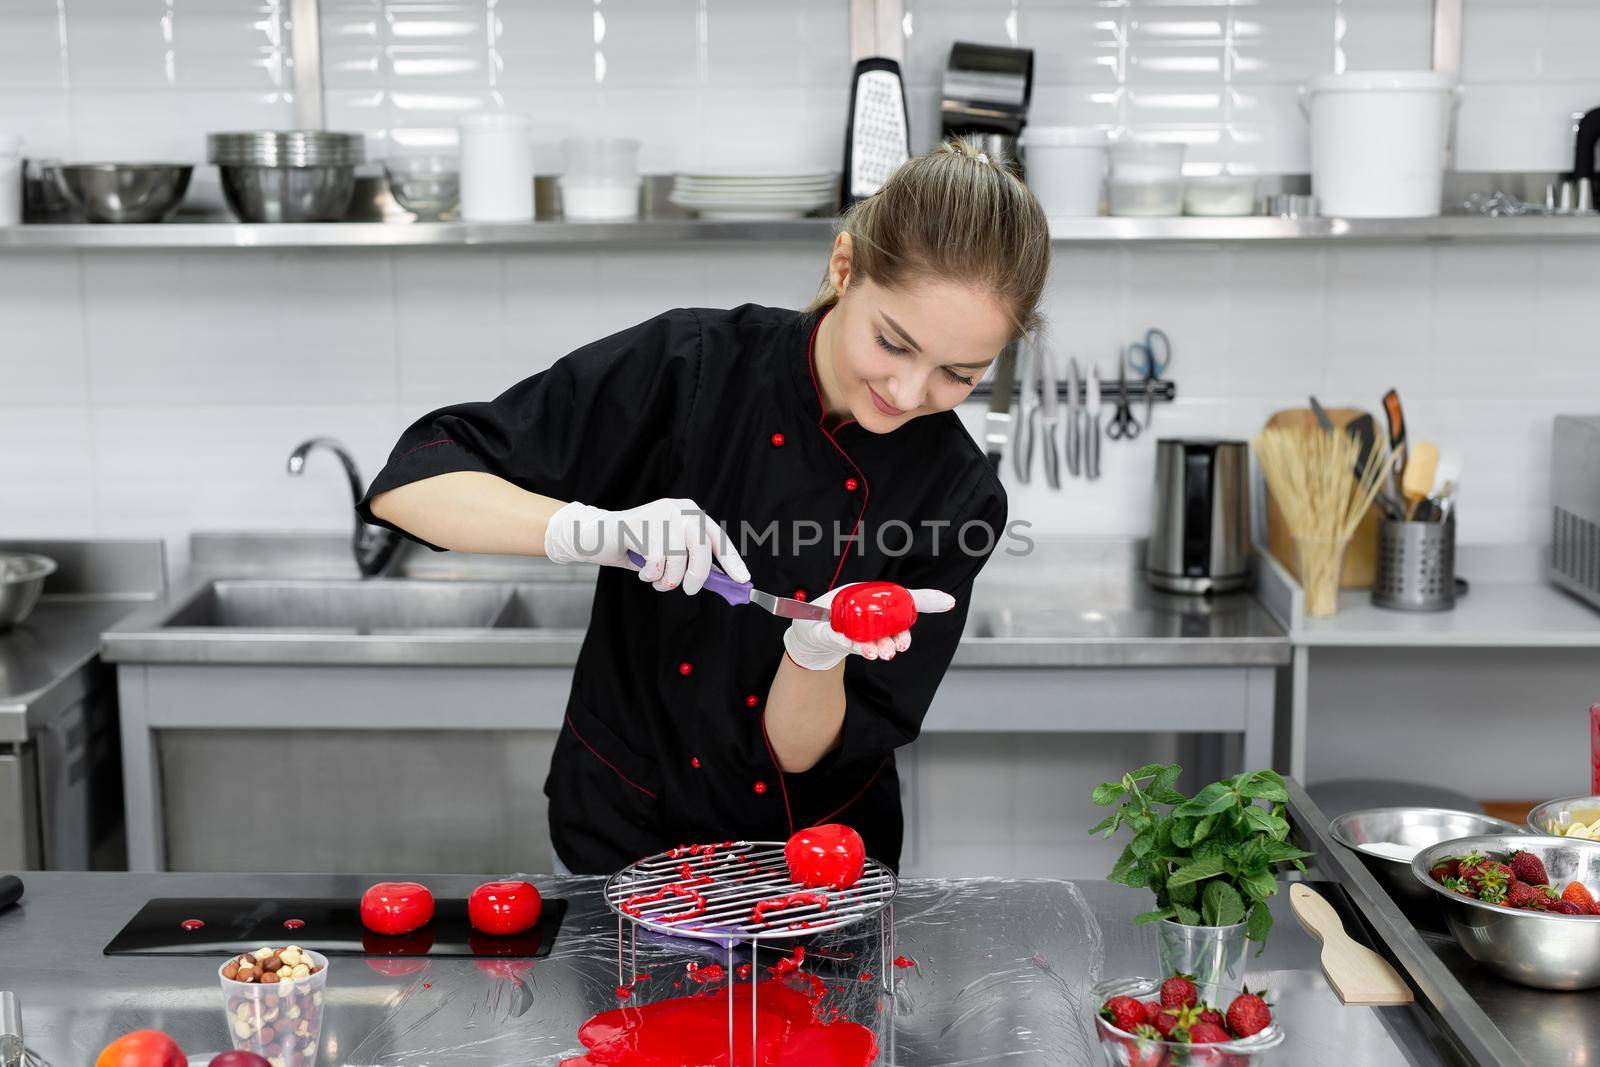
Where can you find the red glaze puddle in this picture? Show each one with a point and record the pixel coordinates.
(193, 924)
(743, 970)
(694, 1030)
(904, 961)
(293, 924)
(427, 985)
(790, 963)
(866, 976)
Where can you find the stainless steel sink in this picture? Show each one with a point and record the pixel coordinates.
(275, 604)
(410, 621)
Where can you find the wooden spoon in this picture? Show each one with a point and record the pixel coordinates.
(1416, 485)
(1357, 974)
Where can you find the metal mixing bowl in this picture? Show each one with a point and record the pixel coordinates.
(288, 175)
(1408, 826)
(124, 192)
(1554, 816)
(22, 578)
(1539, 949)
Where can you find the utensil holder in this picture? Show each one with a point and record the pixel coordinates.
(1416, 566)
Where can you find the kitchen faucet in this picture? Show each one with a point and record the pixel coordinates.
(373, 546)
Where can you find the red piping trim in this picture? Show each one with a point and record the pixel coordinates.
(866, 490)
(607, 762)
(784, 789)
(858, 795)
(430, 444)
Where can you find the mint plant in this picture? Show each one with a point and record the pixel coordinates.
(1210, 860)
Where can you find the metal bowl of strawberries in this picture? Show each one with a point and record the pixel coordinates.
(1521, 905)
(1144, 1022)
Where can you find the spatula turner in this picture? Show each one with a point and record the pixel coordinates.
(1357, 974)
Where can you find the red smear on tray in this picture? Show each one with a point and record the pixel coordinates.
(192, 925)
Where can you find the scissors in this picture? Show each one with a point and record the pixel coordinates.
(1149, 359)
(1123, 426)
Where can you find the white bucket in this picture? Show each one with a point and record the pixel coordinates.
(1378, 141)
(1066, 167)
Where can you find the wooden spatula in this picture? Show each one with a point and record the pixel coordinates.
(1416, 485)
(1358, 974)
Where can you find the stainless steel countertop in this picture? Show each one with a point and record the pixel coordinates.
(1077, 603)
(45, 661)
(1004, 971)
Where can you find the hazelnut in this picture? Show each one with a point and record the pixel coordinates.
(270, 978)
(271, 963)
(241, 1029)
(263, 952)
(270, 1000)
(291, 955)
(230, 970)
(316, 998)
(294, 1012)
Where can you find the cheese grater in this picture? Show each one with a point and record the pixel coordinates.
(878, 139)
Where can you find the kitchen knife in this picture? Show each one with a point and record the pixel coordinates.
(1091, 429)
(1322, 415)
(737, 593)
(1074, 439)
(997, 424)
(1050, 414)
(1397, 435)
(10, 890)
(1027, 424)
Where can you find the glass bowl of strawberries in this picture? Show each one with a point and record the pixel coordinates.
(1522, 906)
(1155, 1022)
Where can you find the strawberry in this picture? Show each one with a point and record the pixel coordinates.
(1529, 868)
(1566, 907)
(1519, 894)
(1143, 1054)
(1173, 1023)
(1178, 992)
(1125, 1013)
(1593, 909)
(1207, 1034)
(1248, 1015)
(1579, 894)
(1212, 1016)
(1152, 1008)
(1445, 869)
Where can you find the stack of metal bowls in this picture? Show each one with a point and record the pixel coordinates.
(287, 176)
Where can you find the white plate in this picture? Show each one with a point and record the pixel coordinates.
(753, 190)
(775, 209)
(749, 216)
(759, 200)
(760, 176)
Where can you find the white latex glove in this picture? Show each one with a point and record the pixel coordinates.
(817, 646)
(677, 539)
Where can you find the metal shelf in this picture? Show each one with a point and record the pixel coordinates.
(662, 231)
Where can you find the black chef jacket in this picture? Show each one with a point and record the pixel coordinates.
(664, 742)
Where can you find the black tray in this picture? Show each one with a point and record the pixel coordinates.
(332, 927)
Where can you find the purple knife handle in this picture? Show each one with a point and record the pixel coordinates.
(735, 593)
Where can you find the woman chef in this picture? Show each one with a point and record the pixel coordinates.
(801, 450)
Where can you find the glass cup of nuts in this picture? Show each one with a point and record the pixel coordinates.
(273, 998)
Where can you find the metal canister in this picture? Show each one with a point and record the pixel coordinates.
(1416, 566)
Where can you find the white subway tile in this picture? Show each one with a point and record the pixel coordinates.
(32, 51)
(1379, 330)
(130, 126)
(1572, 40)
(1078, 45)
(651, 43)
(164, 470)
(937, 24)
(1482, 330)
(129, 45)
(450, 328)
(547, 43)
(1383, 35)
(268, 327)
(553, 304)
(44, 120)
(1076, 105)
(42, 357)
(1280, 43)
(47, 485)
(1501, 40)
(246, 48)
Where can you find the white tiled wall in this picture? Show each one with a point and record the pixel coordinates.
(703, 81)
(154, 393)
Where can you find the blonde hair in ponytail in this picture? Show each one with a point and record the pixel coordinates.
(955, 214)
